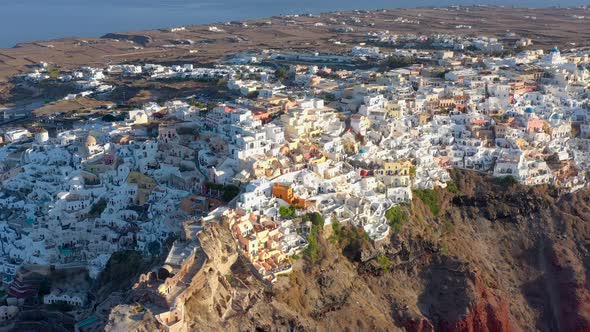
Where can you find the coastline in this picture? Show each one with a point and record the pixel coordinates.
(198, 44)
(75, 19)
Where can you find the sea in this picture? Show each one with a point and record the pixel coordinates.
(30, 20)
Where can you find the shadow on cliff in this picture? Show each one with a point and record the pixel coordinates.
(447, 293)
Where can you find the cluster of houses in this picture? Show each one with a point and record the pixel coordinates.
(454, 42)
(86, 80)
(347, 144)
(268, 242)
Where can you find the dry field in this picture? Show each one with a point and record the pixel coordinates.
(547, 27)
(65, 106)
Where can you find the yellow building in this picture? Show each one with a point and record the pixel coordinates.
(394, 110)
(319, 160)
(395, 168)
(423, 118)
(522, 144)
(145, 185)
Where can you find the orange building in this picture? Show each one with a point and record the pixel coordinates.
(263, 116)
(286, 194)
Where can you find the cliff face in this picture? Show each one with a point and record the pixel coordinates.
(487, 312)
(497, 257)
(456, 299)
(571, 297)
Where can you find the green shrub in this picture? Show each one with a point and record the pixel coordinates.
(396, 217)
(229, 277)
(154, 248)
(60, 306)
(317, 219)
(281, 73)
(412, 171)
(396, 61)
(452, 187)
(287, 211)
(91, 182)
(337, 231)
(195, 103)
(230, 192)
(313, 246)
(312, 250)
(448, 226)
(186, 131)
(53, 73)
(97, 208)
(350, 239)
(45, 287)
(121, 267)
(329, 97)
(507, 181)
(384, 262)
(430, 198)
(113, 118)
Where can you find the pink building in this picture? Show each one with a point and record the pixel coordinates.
(535, 125)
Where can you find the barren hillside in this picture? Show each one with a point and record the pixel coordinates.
(497, 257)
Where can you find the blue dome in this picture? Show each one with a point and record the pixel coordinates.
(555, 50)
(362, 151)
(529, 110)
(557, 116)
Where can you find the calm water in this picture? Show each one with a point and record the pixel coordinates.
(26, 20)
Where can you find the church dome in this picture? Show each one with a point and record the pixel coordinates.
(90, 141)
(529, 110)
(555, 50)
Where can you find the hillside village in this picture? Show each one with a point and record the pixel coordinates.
(310, 143)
